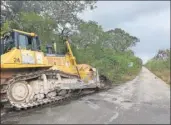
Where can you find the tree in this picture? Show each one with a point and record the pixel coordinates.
(65, 13)
(41, 25)
(92, 45)
(11, 9)
(120, 40)
(163, 54)
(5, 27)
(88, 33)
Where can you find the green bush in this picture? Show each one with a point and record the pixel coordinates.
(113, 65)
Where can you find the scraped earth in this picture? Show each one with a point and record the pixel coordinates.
(146, 99)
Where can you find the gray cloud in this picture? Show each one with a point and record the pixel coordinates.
(123, 11)
(148, 20)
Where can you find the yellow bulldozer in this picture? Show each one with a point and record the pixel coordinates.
(30, 77)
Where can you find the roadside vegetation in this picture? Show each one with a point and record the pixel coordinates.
(108, 51)
(160, 65)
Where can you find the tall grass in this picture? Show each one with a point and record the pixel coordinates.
(160, 68)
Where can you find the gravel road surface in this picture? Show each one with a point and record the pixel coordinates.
(146, 99)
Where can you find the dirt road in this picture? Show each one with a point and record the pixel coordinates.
(146, 99)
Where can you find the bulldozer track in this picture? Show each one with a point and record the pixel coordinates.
(37, 103)
(11, 113)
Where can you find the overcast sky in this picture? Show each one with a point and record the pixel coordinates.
(147, 20)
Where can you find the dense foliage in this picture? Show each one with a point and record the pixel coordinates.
(108, 51)
(160, 65)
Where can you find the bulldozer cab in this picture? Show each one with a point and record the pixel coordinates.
(20, 40)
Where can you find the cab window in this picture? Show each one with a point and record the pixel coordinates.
(23, 41)
(35, 44)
